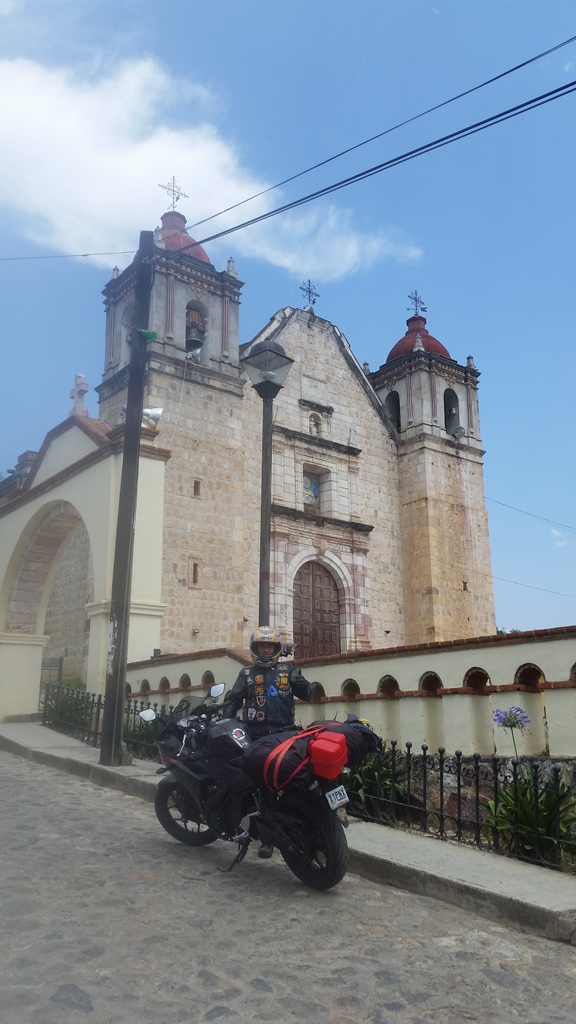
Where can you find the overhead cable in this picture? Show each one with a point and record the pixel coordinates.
(428, 147)
(445, 140)
(552, 522)
(387, 131)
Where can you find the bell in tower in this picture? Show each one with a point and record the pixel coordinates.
(195, 331)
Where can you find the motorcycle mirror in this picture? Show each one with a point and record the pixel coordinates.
(148, 715)
(217, 690)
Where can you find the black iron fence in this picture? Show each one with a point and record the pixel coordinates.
(79, 714)
(523, 807)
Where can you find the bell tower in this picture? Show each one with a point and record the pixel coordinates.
(432, 402)
(193, 309)
(192, 375)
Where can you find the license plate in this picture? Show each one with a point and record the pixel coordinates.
(337, 797)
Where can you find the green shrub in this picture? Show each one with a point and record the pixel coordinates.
(75, 683)
(67, 707)
(140, 737)
(534, 818)
(376, 784)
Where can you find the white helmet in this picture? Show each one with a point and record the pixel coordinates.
(265, 635)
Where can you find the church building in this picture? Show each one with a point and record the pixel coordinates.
(379, 533)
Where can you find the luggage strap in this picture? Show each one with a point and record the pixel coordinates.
(280, 752)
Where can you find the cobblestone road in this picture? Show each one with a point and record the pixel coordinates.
(105, 919)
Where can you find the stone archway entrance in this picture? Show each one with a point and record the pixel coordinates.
(316, 612)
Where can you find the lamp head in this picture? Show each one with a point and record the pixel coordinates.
(267, 366)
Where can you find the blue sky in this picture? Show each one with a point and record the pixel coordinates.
(101, 101)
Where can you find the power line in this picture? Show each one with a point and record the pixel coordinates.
(552, 522)
(502, 579)
(529, 586)
(428, 147)
(387, 131)
(70, 255)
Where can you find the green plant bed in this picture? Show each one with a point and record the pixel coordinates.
(377, 785)
(74, 684)
(140, 738)
(67, 708)
(534, 818)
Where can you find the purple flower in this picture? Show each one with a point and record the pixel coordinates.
(513, 718)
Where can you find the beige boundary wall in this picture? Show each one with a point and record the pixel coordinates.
(533, 670)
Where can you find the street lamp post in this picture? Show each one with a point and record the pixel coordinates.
(267, 366)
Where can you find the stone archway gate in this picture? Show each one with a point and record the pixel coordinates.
(75, 479)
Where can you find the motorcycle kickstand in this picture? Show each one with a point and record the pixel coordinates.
(242, 851)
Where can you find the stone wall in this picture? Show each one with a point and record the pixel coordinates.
(355, 458)
(66, 624)
(203, 536)
(448, 582)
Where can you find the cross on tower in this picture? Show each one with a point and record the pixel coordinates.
(309, 292)
(175, 191)
(417, 303)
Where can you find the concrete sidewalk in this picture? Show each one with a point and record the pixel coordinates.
(522, 895)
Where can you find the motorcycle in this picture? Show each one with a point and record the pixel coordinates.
(206, 796)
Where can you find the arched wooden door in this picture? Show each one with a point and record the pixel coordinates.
(316, 612)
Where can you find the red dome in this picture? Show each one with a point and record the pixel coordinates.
(175, 236)
(417, 327)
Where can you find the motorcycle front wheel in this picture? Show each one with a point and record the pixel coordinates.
(180, 818)
(319, 857)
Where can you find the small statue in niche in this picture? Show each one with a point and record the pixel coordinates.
(315, 425)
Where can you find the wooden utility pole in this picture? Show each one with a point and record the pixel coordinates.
(111, 745)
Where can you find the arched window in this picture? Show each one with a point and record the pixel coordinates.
(127, 690)
(208, 679)
(529, 675)
(164, 685)
(477, 679)
(185, 682)
(430, 683)
(387, 687)
(318, 693)
(573, 673)
(350, 689)
(195, 328)
(128, 322)
(392, 409)
(144, 686)
(451, 411)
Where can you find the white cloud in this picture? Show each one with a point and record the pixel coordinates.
(83, 156)
(323, 243)
(561, 541)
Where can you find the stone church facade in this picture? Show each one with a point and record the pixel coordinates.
(379, 531)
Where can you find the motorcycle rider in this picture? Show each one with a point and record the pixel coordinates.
(267, 691)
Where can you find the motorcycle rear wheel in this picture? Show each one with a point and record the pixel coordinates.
(178, 817)
(320, 855)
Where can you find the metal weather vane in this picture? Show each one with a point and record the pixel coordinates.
(309, 292)
(417, 304)
(175, 191)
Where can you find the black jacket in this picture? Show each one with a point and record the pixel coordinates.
(268, 697)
